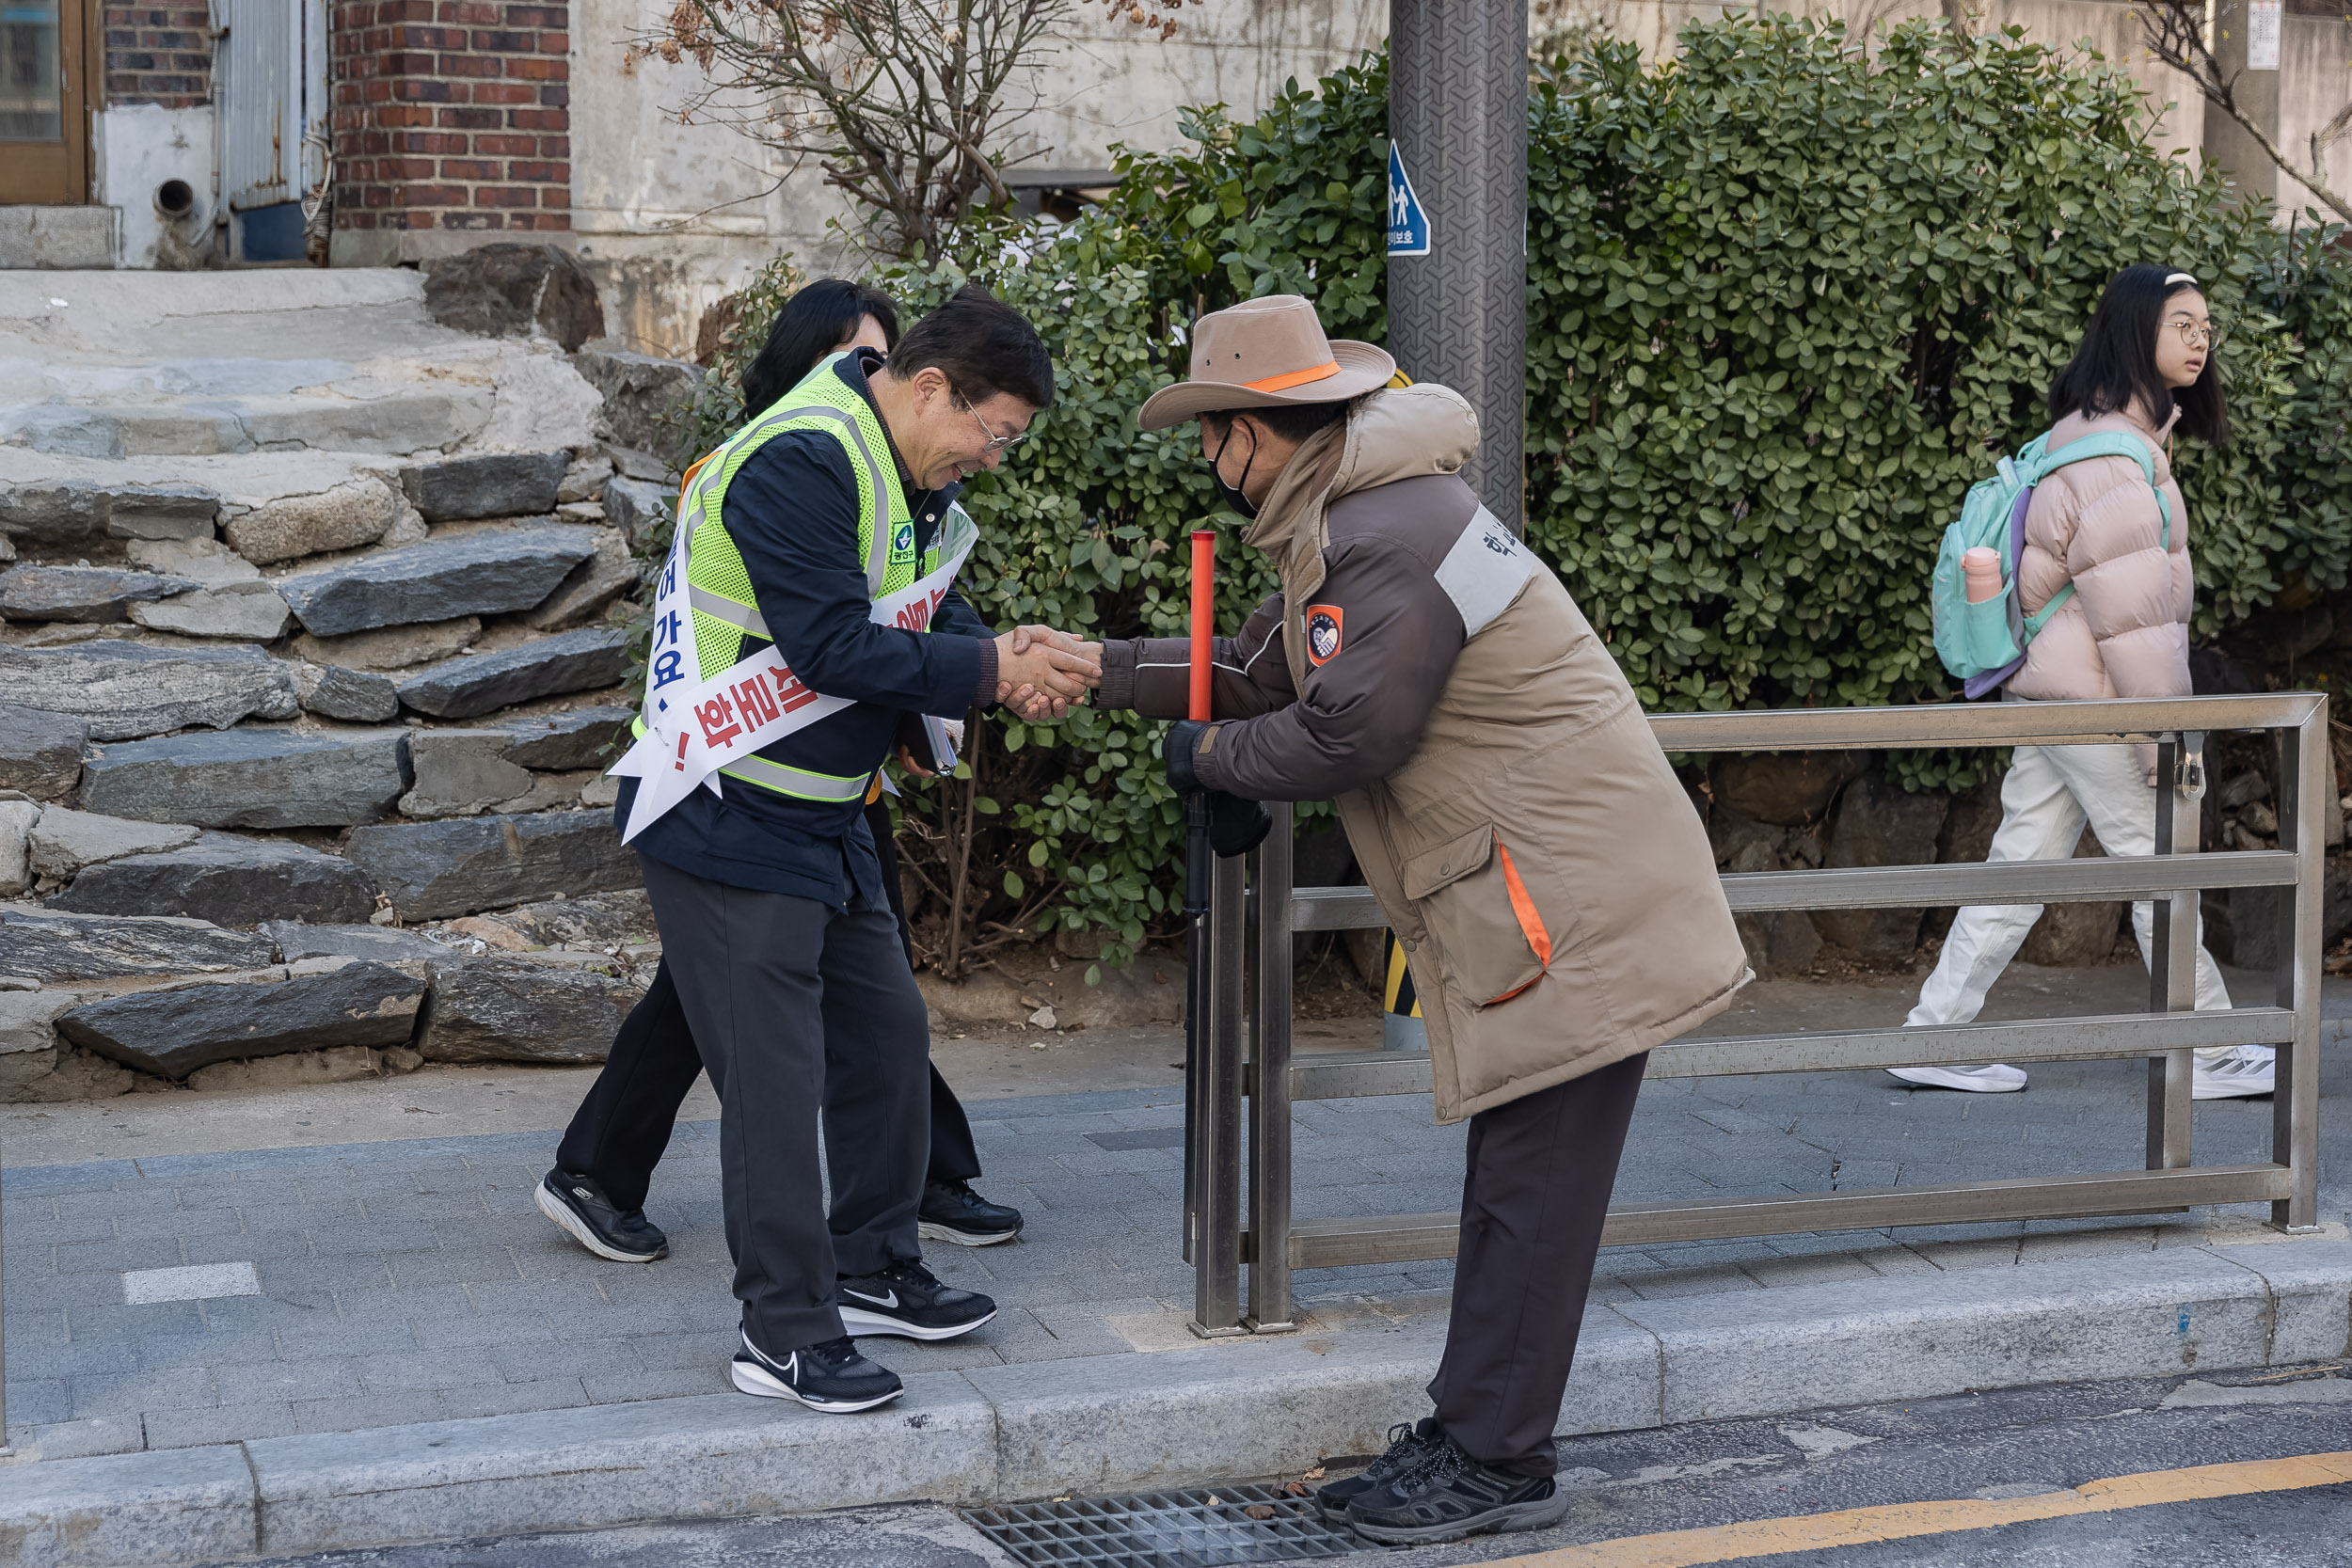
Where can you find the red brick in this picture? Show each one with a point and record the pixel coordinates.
(472, 13)
(540, 70)
(464, 66)
(538, 16)
(413, 89)
(434, 144)
(474, 119)
(555, 147)
(495, 40)
(540, 172)
(555, 43)
(432, 195)
(539, 119)
(505, 146)
(469, 169)
(505, 92)
(557, 96)
(504, 196)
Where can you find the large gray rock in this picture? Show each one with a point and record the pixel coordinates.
(594, 583)
(54, 947)
(228, 879)
(85, 594)
(645, 398)
(516, 1010)
(251, 777)
(127, 689)
(65, 841)
(482, 683)
(433, 870)
(206, 561)
(41, 754)
(391, 647)
(349, 695)
(78, 511)
(234, 613)
(461, 773)
(1786, 788)
(636, 507)
(27, 1019)
(496, 485)
(508, 289)
(341, 518)
(1878, 823)
(562, 743)
(482, 574)
(172, 1032)
(300, 939)
(16, 824)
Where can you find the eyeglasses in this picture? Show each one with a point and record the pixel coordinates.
(995, 443)
(2196, 334)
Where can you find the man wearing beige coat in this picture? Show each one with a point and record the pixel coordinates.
(1525, 838)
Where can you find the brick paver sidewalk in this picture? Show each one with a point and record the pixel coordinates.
(373, 1284)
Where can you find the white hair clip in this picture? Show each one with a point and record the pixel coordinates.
(2179, 278)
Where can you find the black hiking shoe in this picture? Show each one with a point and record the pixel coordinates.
(908, 1300)
(952, 1212)
(830, 1376)
(1408, 1446)
(1448, 1496)
(580, 1206)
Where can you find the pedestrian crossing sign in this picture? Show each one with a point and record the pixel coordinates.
(1408, 226)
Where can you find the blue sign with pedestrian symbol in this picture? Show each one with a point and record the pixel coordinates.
(1408, 226)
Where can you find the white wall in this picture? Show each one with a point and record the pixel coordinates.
(2315, 81)
(137, 148)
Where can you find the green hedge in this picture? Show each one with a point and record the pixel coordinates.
(1787, 303)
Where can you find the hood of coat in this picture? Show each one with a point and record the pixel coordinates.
(1400, 432)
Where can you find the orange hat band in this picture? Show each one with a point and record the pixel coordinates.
(1289, 379)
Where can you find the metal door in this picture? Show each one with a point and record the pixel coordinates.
(259, 91)
(44, 116)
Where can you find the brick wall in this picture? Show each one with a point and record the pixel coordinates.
(452, 115)
(159, 54)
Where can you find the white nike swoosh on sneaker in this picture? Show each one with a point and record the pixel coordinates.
(888, 1298)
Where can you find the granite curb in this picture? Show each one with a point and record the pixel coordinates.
(1229, 1409)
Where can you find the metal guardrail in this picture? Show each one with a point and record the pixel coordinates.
(1255, 911)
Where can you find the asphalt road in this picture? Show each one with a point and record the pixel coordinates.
(1742, 1491)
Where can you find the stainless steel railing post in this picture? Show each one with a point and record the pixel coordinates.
(1217, 1128)
(1270, 1085)
(2173, 963)
(2294, 1101)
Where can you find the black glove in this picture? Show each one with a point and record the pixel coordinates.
(1235, 826)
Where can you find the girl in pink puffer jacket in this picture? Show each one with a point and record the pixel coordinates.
(2146, 365)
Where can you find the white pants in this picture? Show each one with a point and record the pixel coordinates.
(2049, 795)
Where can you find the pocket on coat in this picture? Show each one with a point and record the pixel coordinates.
(1492, 939)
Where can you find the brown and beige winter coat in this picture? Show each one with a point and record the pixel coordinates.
(1529, 844)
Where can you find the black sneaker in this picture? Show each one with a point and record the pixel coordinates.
(580, 1206)
(830, 1376)
(908, 1300)
(952, 1212)
(1448, 1496)
(1408, 1446)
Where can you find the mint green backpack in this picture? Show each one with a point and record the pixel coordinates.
(1983, 643)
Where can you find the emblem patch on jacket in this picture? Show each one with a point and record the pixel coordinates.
(1322, 633)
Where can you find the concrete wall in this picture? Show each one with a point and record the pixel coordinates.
(2314, 80)
(140, 146)
(670, 218)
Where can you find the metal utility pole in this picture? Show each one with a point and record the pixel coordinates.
(1458, 219)
(2245, 47)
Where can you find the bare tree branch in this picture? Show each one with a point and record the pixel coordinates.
(2176, 34)
(906, 104)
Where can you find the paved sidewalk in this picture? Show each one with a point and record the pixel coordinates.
(368, 1285)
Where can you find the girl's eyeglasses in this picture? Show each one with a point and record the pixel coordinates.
(2196, 334)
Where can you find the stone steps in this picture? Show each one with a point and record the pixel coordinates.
(307, 626)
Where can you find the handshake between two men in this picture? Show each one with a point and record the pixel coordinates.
(1041, 671)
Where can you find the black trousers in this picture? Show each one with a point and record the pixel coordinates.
(1534, 1200)
(623, 1127)
(799, 1012)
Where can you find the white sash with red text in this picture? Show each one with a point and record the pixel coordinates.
(756, 702)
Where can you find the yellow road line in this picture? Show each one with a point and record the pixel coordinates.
(1861, 1526)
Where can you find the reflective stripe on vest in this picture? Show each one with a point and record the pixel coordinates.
(798, 782)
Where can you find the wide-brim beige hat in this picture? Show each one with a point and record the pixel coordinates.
(1263, 353)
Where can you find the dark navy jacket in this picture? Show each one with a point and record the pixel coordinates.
(792, 512)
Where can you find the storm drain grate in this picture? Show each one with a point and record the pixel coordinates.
(1203, 1529)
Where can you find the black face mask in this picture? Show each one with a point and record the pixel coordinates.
(1232, 494)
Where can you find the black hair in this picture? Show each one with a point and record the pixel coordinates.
(983, 346)
(1292, 421)
(822, 315)
(2115, 366)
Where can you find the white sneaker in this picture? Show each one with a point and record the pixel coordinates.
(1996, 1078)
(2246, 1070)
